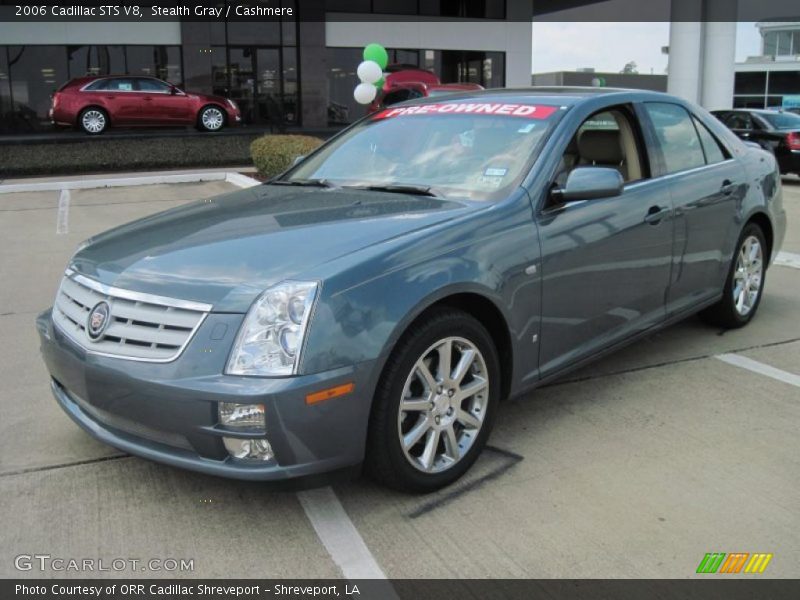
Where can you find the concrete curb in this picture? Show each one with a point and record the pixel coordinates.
(233, 178)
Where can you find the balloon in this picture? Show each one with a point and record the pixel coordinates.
(365, 93)
(379, 84)
(369, 71)
(376, 53)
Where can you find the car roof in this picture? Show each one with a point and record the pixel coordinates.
(757, 111)
(555, 95)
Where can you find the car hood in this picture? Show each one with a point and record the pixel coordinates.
(226, 250)
(208, 98)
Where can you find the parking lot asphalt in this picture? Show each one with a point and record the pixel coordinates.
(635, 466)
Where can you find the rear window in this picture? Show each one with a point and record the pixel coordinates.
(781, 120)
(99, 84)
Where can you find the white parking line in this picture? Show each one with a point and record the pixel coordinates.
(62, 219)
(788, 259)
(231, 177)
(338, 534)
(737, 360)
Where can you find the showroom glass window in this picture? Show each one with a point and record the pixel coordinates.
(35, 72)
(452, 66)
(96, 60)
(5, 90)
(255, 63)
(677, 136)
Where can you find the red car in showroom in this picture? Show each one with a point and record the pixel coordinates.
(407, 82)
(93, 104)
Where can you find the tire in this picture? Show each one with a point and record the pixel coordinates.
(93, 120)
(211, 118)
(749, 268)
(456, 436)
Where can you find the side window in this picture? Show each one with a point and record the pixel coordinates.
(711, 147)
(677, 136)
(97, 85)
(739, 120)
(400, 96)
(153, 85)
(119, 85)
(606, 139)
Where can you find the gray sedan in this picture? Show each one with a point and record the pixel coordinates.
(375, 304)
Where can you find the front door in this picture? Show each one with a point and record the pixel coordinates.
(605, 262)
(255, 83)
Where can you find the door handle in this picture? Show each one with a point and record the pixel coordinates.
(727, 187)
(656, 214)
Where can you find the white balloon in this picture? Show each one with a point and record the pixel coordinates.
(365, 93)
(369, 71)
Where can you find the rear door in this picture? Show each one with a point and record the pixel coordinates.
(122, 100)
(706, 186)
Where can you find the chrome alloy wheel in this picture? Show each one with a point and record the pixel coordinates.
(444, 405)
(93, 121)
(212, 119)
(748, 275)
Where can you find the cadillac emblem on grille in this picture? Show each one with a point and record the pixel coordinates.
(98, 320)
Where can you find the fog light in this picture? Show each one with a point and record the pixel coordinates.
(258, 449)
(242, 416)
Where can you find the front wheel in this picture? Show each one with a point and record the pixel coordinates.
(435, 404)
(745, 282)
(211, 118)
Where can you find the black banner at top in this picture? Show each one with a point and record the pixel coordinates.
(399, 10)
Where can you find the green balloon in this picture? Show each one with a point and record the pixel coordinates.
(380, 82)
(377, 53)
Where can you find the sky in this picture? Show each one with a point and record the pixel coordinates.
(609, 46)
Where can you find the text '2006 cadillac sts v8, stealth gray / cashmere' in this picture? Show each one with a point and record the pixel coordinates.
(375, 303)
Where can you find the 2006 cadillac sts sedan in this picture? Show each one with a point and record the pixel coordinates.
(376, 302)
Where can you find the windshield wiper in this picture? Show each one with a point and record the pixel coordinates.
(302, 182)
(399, 188)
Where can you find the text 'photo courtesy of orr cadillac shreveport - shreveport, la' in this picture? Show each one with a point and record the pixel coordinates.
(375, 304)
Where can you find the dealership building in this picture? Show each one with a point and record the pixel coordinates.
(772, 78)
(297, 72)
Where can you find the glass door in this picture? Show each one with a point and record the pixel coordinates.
(255, 77)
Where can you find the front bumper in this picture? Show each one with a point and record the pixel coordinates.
(167, 412)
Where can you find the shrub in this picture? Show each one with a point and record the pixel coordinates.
(273, 154)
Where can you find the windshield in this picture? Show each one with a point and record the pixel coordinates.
(782, 120)
(458, 149)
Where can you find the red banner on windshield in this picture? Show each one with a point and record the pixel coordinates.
(525, 111)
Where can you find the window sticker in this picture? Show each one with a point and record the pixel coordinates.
(526, 128)
(525, 111)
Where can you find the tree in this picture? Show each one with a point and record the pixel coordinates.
(630, 68)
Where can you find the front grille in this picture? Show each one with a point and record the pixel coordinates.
(141, 326)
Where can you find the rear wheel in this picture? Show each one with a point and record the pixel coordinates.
(93, 121)
(435, 404)
(745, 282)
(211, 118)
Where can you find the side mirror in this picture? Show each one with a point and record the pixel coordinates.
(590, 183)
(298, 159)
(175, 91)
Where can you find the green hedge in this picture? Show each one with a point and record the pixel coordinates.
(100, 154)
(273, 154)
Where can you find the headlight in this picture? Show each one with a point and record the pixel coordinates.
(270, 339)
(232, 104)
